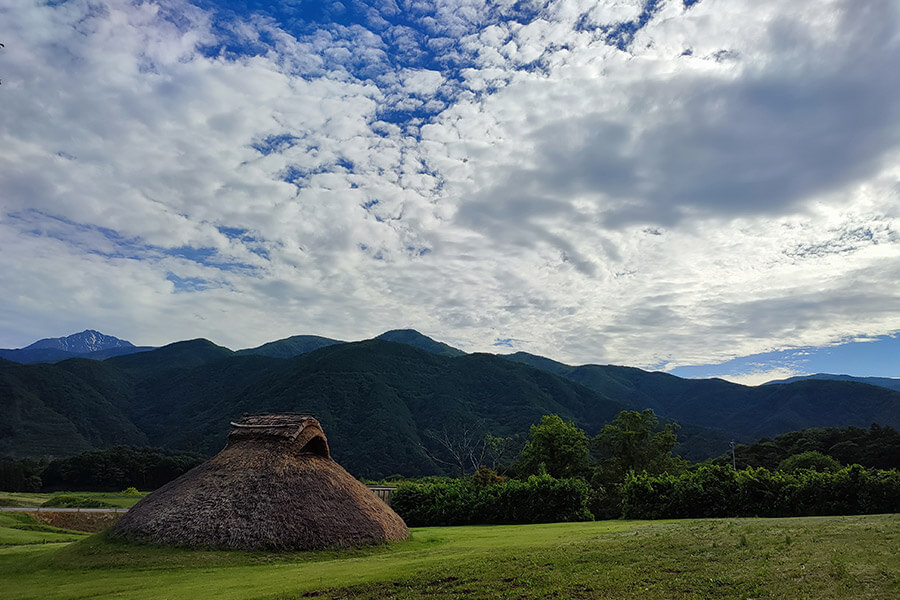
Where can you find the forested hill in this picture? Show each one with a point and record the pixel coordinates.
(887, 382)
(745, 413)
(377, 400)
(385, 404)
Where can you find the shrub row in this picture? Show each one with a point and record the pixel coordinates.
(716, 491)
(539, 499)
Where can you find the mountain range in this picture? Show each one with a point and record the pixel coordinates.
(386, 402)
(87, 344)
(98, 346)
(885, 382)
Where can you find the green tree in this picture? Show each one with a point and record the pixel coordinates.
(560, 446)
(809, 460)
(500, 452)
(631, 442)
(485, 477)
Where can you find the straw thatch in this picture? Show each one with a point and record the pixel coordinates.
(274, 486)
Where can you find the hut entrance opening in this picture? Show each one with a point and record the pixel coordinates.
(317, 446)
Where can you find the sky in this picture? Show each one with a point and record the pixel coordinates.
(705, 187)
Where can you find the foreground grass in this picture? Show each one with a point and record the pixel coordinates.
(27, 499)
(820, 558)
(825, 558)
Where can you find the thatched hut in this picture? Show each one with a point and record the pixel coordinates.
(274, 486)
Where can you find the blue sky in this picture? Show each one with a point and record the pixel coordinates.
(876, 357)
(664, 184)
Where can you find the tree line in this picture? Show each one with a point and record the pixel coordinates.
(629, 470)
(108, 470)
(877, 447)
(621, 471)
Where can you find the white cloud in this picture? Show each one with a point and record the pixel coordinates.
(725, 185)
(762, 376)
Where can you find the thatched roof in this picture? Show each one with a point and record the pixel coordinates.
(303, 431)
(274, 486)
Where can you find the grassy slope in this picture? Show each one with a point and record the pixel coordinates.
(28, 499)
(19, 530)
(822, 558)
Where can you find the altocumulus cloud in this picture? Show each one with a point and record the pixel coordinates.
(654, 183)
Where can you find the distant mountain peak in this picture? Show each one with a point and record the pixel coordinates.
(291, 346)
(88, 340)
(411, 337)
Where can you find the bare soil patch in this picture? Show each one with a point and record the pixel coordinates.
(77, 521)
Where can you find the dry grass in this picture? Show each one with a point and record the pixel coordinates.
(77, 521)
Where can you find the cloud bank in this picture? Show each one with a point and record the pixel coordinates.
(656, 183)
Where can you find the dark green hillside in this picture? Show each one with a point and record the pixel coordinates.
(779, 408)
(887, 382)
(29, 428)
(740, 412)
(636, 388)
(411, 337)
(377, 399)
(384, 403)
(290, 347)
(111, 352)
(49, 411)
(180, 356)
(190, 409)
(108, 380)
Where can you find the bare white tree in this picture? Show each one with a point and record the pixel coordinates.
(463, 448)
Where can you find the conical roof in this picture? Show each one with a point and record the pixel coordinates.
(274, 486)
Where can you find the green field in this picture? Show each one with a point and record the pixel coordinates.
(816, 558)
(19, 529)
(27, 499)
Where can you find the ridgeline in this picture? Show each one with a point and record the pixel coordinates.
(385, 404)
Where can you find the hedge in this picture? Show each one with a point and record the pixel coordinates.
(539, 499)
(716, 491)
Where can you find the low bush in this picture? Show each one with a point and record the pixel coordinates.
(716, 491)
(811, 459)
(538, 499)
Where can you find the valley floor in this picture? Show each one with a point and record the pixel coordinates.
(817, 558)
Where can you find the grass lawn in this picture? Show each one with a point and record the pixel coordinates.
(27, 499)
(19, 529)
(817, 558)
(23, 499)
